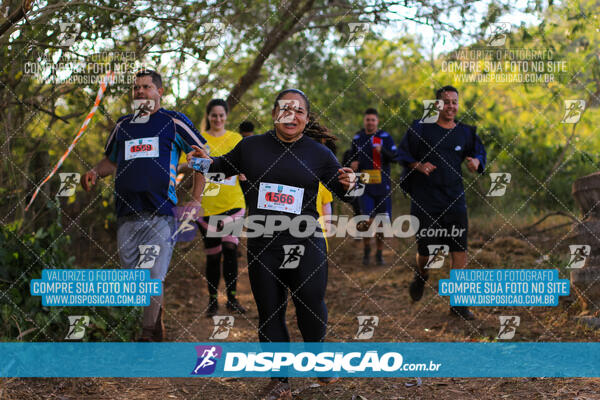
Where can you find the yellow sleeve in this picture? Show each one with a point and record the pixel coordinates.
(319, 201)
(327, 196)
(322, 195)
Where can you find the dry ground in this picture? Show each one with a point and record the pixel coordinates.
(356, 290)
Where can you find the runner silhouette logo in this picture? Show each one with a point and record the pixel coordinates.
(362, 179)
(357, 32)
(366, 326)
(207, 359)
(437, 254)
(431, 111)
(496, 33)
(287, 111)
(292, 253)
(68, 33)
(77, 325)
(68, 184)
(500, 181)
(508, 326)
(186, 226)
(573, 111)
(223, 324)
(148, 255)
(211, 33)
(142, 108)
(579, 253)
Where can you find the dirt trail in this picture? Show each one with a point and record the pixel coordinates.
(353, 290)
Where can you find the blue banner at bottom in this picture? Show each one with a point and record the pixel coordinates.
(235, 359)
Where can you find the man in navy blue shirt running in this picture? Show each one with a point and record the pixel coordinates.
(372, 152)
(432, 154)
(143, 151)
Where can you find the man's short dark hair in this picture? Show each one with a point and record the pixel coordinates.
(371, 111)
(156, 78)
(447, 88)
(246, 126)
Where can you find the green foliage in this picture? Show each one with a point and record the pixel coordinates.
(22, 316)
(518, 123)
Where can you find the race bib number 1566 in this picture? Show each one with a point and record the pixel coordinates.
(272, 196)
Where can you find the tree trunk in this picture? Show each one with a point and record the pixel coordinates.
(274, 38)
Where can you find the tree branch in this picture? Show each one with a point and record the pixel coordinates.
(42, 109)
(274, 38)
(16, 16)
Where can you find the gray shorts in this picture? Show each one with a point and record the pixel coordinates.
(145, 241)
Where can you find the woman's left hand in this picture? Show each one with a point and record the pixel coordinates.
(196, 152)
(347, 178)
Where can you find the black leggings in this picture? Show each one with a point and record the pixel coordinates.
(307, 284)
(230, 269)
(214, 247)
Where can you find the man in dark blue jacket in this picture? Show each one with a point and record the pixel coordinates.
(142, 152)
(432, 154)
(372, 152)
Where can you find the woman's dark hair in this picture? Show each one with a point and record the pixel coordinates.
(297, 91)
(312, 129)
(213, 103)
(320, 133)
(330, 144)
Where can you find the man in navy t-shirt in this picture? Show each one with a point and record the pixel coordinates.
(372, 152)
(143, 151)
(432, 154)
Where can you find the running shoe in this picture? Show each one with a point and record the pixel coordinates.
(417, 286)
(379, 258)
(146, 335)
(213, 307)
(324, 381)
(156, 334)
(234, 305)
(366, 257)
(277, 390)
(159, 327)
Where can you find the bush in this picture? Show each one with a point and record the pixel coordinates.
(22, 316)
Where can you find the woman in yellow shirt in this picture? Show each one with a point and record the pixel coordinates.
(222, 196)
